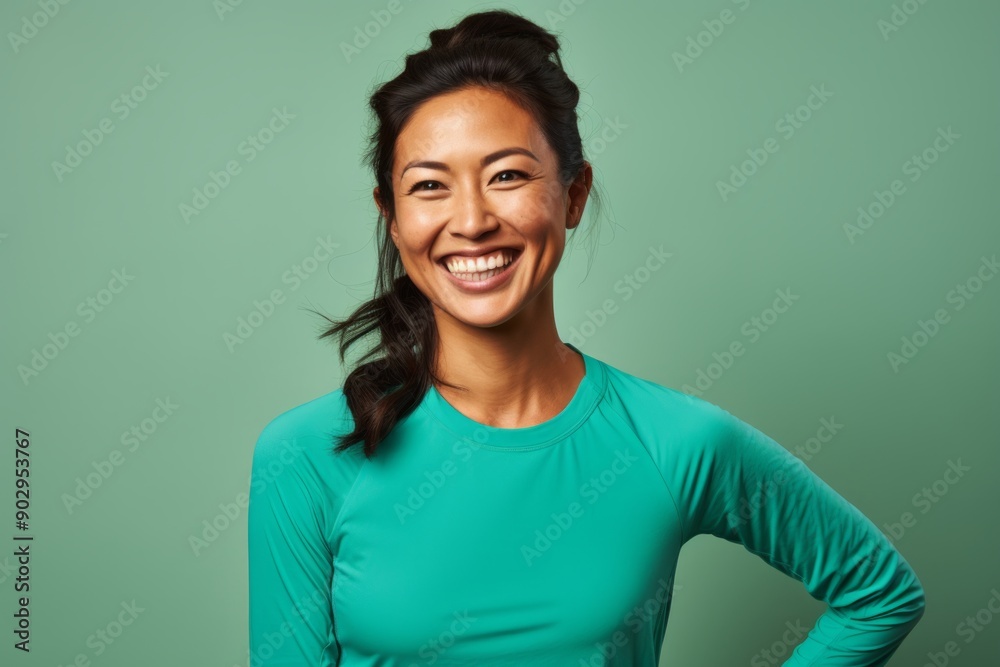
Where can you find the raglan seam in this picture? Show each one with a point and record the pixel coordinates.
(670, 494)
(770, 557)
(331, 536)
(348, 496)
(330, 434)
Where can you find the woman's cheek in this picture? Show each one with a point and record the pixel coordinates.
(417, 219)
(529, 206)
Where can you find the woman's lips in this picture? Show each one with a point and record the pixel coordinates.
(514, 252)
(476, 286)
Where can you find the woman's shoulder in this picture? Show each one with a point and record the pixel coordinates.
(639, 393)
(311, 417)
(304, 437)
(678, 429)
(296, 475)
(658, 409)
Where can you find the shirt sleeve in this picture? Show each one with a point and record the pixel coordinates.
(290, 563)
(746, 488)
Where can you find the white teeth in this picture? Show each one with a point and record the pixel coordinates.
(471, 266)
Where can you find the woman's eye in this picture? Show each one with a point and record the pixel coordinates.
(416, 186)
(511, 171)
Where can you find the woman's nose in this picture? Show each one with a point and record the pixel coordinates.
(473, 215)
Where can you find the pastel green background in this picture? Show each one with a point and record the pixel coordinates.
(681, 130)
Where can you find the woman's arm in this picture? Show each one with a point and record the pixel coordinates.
(744, 487)
(290, 564)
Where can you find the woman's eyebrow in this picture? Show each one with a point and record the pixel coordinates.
(492, 157)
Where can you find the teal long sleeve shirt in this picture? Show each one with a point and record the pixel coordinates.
(555, 544)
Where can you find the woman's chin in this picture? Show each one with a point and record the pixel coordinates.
(481, 312)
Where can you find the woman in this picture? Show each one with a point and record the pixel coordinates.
(484, 494)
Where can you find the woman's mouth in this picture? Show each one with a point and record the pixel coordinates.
(481, 273)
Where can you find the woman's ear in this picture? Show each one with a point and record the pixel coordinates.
(378, 201)
(376, 195)
(579, 190)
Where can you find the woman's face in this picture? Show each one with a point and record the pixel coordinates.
(474, 178)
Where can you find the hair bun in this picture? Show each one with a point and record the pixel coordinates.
(494, 24)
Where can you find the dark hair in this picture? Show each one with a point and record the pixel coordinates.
(495, 49)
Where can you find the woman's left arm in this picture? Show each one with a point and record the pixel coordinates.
(744, 487)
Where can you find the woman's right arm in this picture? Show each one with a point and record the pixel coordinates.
(289, 560)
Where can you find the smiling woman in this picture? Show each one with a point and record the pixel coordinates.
(481, 493)
(438, 227)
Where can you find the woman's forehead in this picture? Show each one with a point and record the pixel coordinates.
(447, 128)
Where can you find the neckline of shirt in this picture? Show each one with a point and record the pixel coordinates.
(588, 394)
